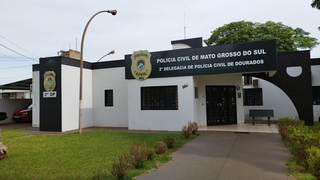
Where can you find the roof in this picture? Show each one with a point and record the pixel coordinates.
(19, 85)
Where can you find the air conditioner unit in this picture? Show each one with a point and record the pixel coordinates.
(247, 80)
(255, 83)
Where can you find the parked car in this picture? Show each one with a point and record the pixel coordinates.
(23, 115)
(3, 116)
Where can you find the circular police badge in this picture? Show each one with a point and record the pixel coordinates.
(49, 81)
(141, 65)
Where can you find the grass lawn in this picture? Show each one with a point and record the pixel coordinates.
(271, 122)
(74, 156)
(298, 172)
(316, 127)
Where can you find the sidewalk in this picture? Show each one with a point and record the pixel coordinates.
(259, 128)
(225, 156)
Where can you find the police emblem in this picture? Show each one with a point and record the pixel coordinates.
(49, 81)
(141, 65)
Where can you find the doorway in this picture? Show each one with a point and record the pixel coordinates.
(221, 105)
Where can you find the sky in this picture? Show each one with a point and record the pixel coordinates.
(33, 29)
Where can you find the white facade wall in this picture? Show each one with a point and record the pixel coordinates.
(315, 70)
(171, 120)
(273, 98)
(87, 100)
(110, 79)
(217, 80)
(70, 80)
(70, 83)
(36, 99)
(180, 46)
(28, 95)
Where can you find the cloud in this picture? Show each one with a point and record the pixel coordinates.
(45, 27)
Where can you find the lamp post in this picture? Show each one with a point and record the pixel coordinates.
(113, 12)
(111, 52)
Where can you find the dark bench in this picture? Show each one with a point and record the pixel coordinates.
(261, 113)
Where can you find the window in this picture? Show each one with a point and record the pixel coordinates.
(108, 98)
(316, 95)
(252, 97)
(5, 95)
(196, 93)
(12, 95)
(159, 98)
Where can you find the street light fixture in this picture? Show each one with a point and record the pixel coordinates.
(113, 12)
(111, 52)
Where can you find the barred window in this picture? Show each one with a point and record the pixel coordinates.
(316, 95)
(108, 98)
(159, 98)
(196, 93)
(252, 97)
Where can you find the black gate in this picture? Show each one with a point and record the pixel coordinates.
(221, 105)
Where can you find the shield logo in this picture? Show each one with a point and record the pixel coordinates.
(49, 81)
(141, 65)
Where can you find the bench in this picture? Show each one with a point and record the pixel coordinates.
(261, 113)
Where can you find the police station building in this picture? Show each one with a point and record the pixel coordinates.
(164, 90)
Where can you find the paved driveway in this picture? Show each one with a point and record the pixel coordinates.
(226, 156)
(14, 125)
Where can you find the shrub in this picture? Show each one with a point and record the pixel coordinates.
(313, 161)
(150, 153)
(138, 155)
(193, 126)
(186, 131)
(169, 142)
(283, 124)
(303, 143)
(301, 138)
(160, 147)
(119, 169)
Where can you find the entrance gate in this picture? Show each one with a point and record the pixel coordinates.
(221, 105)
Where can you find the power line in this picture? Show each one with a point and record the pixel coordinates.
(13, 59)
(14, 67)
(18, 46)
(15, 76)
(17, 52)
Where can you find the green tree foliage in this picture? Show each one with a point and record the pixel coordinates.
(316, 4)
(288, 39)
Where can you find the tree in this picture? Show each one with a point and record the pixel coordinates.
(316, 4)
(288, 39)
